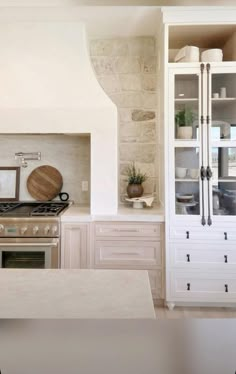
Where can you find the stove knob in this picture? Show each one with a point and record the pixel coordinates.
(1, 228)
(46, 230)
(35, 230)
(23, 230)
(54, 230)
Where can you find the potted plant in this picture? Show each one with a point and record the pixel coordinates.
(184, 121)
(135, 180)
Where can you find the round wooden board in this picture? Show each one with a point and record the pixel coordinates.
(44, 183)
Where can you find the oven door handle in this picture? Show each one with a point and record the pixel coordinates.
(28, 245)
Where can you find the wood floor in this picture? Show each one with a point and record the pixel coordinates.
(184, 312)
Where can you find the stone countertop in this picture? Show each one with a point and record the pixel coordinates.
(77, 213)
(61, 293)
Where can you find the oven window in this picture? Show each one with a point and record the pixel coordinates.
(24, 260)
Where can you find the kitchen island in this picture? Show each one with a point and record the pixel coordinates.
(73, 293)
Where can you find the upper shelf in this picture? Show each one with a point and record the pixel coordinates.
(213, 100)
(186, 100)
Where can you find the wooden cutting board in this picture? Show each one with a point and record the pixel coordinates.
(44, 183)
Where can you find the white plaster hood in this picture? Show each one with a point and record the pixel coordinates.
(48, 86)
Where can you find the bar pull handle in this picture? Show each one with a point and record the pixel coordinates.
(226, 259)
(226, 288)
(187, 234)
(202, 170)
(203, 176)
(188, 286)
(225, 235)
(188, 257)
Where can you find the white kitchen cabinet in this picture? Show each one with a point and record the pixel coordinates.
(131, 245)
(200, 231)
(74, 245)
(203, 167)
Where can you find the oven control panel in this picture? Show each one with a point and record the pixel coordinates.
(30, 229)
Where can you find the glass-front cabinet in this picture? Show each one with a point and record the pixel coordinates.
(202, 154)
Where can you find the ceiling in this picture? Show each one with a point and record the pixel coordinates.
(103, 18)
(31, 3)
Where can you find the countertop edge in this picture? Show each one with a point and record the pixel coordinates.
(80, 214)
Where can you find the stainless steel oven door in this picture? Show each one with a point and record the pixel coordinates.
(30, 253)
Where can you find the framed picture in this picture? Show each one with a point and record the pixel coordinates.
(9, 183)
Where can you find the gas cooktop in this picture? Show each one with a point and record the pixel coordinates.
(32, 209)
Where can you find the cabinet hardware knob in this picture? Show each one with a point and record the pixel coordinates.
(188, 286)
(187, 234)
(225, 235)
(226, 258)
(226, 288)
(188, 257)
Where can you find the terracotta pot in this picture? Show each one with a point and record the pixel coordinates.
(134, 190)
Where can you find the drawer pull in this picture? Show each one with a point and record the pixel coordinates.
(188, 257)
(187, 234)
(226, 259)
(226, 288)
(188, 286)
(225, 235)
(125, 254)
(125, 230)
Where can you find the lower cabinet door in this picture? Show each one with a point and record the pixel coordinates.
(203, 287)
(74, 246)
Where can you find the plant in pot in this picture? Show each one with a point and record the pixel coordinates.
(135, 180)
(184, 121)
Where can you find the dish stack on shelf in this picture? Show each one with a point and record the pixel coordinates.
(192, 54)
(183, 202)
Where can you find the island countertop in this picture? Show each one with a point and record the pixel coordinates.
(76, 213)
(62, 293)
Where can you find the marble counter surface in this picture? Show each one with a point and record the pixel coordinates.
(60, 293)
(77, 213)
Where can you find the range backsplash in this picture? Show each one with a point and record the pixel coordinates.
(69, 154)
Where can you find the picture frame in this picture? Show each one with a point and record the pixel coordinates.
(9, 183)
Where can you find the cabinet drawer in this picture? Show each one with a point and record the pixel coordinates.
(156, 283)
(126, 229)
(130, 253)
(203, 287)
(203, 233)
(196, 255)
(200, 233)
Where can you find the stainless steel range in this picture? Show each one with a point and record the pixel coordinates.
(30, 234)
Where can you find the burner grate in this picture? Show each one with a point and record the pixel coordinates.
(48, 209)
(6, 207)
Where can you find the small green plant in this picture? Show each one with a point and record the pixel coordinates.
(185, 117)
(134, 175)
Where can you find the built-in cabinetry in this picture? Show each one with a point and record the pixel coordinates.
(116, 245)
(200, 160)
(126, 245)
(74, 245)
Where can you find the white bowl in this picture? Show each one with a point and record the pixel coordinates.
(180, 172)
(212, 55)
(193, 173)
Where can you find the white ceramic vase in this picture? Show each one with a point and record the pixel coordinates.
(185, 132)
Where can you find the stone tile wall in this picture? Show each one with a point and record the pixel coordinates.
(126, 68)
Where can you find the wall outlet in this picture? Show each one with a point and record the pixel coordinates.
(84, 186)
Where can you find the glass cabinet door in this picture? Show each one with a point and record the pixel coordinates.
(223, 143)
(187, 180)
(186, 106)
(186, 139)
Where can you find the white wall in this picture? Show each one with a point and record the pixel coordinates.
(48, 86)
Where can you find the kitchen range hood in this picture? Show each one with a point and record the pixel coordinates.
(48, 86)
